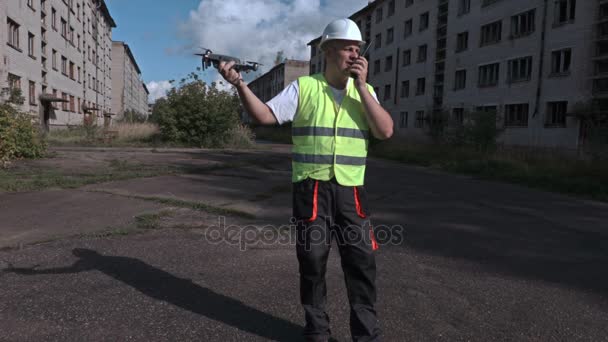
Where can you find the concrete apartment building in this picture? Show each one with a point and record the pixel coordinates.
(130, 92)
(530, 61)
(57, 49)
(276, 79)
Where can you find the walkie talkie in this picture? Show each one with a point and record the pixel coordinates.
(362, 54)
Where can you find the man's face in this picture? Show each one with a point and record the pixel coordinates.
(342, 54)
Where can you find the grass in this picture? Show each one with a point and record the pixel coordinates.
(151, 221)
(535, 169)
(175, 202)
(34, 179)
(137, 135)
(118, 135)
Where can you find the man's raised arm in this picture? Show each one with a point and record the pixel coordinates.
(257, 109)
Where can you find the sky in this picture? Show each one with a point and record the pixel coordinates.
(163, 35)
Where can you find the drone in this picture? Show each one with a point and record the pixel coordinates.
(210, 58)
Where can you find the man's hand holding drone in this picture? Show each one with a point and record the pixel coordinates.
(230, 74)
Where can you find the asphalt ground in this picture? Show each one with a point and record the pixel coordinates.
(476, 261)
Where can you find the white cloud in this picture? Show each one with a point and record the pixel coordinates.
(257, 29)
(157, 90)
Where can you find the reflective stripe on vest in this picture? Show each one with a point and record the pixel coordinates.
(329, 132)
(328, 159)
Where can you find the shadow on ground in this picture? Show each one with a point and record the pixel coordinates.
(183, 293)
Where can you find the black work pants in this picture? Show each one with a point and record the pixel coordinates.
(326, 210)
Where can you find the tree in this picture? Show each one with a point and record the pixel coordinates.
(196, 114)
(19, 138)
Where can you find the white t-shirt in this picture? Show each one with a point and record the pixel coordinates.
(285, 105)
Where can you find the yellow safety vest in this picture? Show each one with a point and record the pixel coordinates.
(329, 140)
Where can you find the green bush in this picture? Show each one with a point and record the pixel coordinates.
(481, 131)
(196, 114)
(19, 138)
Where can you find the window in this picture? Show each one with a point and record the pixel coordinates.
(378, 15)
(522, 24)
(462, 41)
(78, 42)
(491, 33)
(30, 44)
(387, 92)
(409, 3)
(32, 94)
(560, 61)
(64, 65)
(458, 115)
(388, 64)
(54, 59)
(79, 74)
(71, 36)
(556, 113)
(420, 86)
(421, 53)
(378, 41)
(64, 28)
(516, 115)
(464, 6)
(520, 69)
(488, 75)
(13, 33)
(30, 4)
(64, 105)
(407, 57)
(54, 18)
(460, 79)
(408, 28)
(419, 119)
(403, 119)
(72, 104)
(78, 12)
(389, 36)
(391, 8)
(78, 104)
(424, 21)
(14, 82)
(72, 74)
(405, 89)
(565, 11)
(376, 66)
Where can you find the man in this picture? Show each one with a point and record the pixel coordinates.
(333, 114)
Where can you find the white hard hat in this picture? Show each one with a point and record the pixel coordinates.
(343, 29)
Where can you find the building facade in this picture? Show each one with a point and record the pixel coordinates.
(58, 53)
(130, 93)
(276, 79)
(530, 62)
